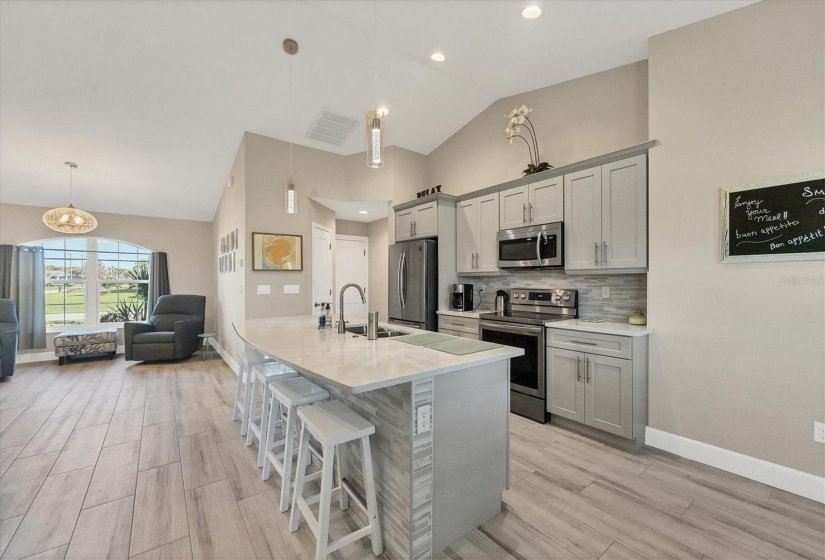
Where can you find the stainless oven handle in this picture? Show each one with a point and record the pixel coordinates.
(539, 237)
(509, 327)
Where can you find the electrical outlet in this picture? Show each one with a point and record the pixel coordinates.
(605, 292)
(819, 431)
(423, 421)
(482, 289)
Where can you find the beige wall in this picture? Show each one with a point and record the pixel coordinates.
(574, 121)
(346, 227)
(229, 216)
(186, 243)
(379, 267)
(737, 360)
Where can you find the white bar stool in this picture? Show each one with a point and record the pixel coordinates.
(332, 423)
(290, 393)
(262, 374)
(247, 360)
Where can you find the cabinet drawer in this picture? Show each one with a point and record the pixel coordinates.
(472, 336)
(593, 343)
(461, 324)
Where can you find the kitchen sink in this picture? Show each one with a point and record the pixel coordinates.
(383, 332)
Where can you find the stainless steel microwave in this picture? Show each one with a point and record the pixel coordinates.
(531, 247)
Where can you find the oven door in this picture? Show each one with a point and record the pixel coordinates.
(531, 247)
(526, 372)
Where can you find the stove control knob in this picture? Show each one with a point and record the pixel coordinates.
(566, 297)
(523, 296)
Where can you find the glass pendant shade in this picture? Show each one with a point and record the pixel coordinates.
(290, 197)
(68, 219)
(375, 138)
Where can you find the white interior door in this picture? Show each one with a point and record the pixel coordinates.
(321, 266)
(352, 265)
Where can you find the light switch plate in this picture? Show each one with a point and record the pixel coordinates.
(292, 289)
(264, 289)
(605, 292)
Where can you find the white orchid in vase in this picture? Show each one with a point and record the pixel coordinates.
(519, 120)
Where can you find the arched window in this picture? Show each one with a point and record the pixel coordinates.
(92, 282)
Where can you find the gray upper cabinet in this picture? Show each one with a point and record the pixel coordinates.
(606, 209)
(476, 228)
(532, 204)
(417, 222)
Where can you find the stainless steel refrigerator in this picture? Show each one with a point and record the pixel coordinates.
(414, 284)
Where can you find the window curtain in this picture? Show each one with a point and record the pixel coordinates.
(30, 294)
(6, 257)
(158, 280)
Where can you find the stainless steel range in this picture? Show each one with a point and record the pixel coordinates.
(522, 324)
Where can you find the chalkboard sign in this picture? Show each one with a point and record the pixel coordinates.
(777, 221)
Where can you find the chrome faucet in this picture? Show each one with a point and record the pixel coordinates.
(341, 323)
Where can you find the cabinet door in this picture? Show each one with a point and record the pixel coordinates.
(608, 394)
(465, 235)
(403, 225)
(624, 213)
(565, 384)
(513, 208)
(485, 240)
(583, 228)
(425, 220)
(546, 201)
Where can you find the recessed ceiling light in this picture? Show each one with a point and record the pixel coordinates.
(438, 57)
(531, 12)
(363, 212)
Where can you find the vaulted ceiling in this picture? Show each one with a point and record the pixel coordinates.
(151, 98)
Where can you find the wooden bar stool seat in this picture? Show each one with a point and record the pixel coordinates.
(333, 424)
(279, 453)
(262, 374)
(247, 360)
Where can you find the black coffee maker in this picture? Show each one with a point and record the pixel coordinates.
(461, 297)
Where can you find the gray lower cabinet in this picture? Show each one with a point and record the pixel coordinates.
(465, 327)
(600, 391)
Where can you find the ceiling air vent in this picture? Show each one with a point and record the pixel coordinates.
(332, 128)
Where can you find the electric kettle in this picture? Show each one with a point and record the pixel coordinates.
(502, 298)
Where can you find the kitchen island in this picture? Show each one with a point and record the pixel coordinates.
(434, 485)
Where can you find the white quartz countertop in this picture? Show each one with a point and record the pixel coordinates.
(607, 327)
(352, 363)
(466, 314)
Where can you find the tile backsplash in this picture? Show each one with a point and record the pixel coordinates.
(628, 292)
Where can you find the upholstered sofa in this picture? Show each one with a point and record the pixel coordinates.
(171, 333)
(8, 337)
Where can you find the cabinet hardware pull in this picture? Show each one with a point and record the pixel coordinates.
(596, 254)
(415, 229)
(524, 213)
(411, 233)
(478, 260)
(583, 342)
(587, 369)
(531, 212)
(604, 253)
(578, 369)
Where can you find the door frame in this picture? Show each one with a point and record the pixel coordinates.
(312, 309)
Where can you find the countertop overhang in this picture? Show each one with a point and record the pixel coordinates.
(352, 363)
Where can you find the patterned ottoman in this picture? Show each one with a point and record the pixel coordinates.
(83, 343)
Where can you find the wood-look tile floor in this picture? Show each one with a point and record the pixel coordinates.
(109, 459)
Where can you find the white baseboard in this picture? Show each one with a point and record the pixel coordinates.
(785, 478)
(225, 355)
(31, 357)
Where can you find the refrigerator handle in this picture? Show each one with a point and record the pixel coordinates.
(403, 279)
(400, 293)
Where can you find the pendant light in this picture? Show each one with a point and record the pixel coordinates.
(290, 196)
(68, 219)
(375, 116)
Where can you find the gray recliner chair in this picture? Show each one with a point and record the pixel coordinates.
(171, 332)
(8, 337)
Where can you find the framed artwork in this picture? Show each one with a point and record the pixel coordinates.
(277, 251)
(220, 265)
(223, 248)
